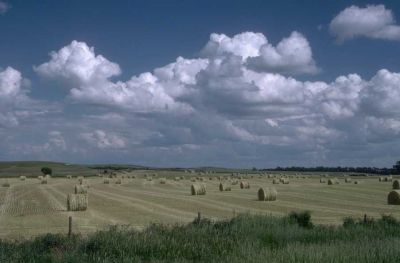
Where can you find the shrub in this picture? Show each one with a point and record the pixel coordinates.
(303, 219)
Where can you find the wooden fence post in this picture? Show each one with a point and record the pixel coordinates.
(70, 226)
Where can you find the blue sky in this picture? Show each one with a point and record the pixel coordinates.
(231, 106)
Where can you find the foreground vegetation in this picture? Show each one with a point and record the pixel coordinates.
(246, 238)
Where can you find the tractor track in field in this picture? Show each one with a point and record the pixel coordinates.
(146, 206)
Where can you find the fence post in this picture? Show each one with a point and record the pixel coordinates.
(198, 217)
(69, 226)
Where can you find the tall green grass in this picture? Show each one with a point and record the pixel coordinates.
(246, 238)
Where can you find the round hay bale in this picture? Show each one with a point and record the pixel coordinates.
(198, 189)
(22, 178)
(322, 180)
(69, 176)
(80, 179)
(394, 197)
(388, 179)
(347, 180)
(396, 184)
(77, 202)
(43, 181)
(357, 182)
(40, 177)
(271, 194)
(193, 179)
(106, 181)
(333, 181)
(381, 179)
(177, 179)
(5, 184)
(275, 181)
(244, 185)
(224, 187)
(163, 181)
(80, 189)
(268, 194)
(285, 181)
(118, 181)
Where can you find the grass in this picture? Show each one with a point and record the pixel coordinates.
(246, 238)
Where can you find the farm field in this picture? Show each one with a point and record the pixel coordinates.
(29, 208)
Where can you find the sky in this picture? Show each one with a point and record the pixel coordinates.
(201, 83)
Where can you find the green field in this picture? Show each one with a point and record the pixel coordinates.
(28, 208)
(32, 169)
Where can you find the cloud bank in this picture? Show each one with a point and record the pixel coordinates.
(240, 103)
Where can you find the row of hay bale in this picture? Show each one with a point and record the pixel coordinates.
(394, 195)
(267, 194)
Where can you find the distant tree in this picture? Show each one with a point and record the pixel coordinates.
(397, 166)
(46, 170)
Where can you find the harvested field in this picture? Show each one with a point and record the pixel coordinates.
(28, 208)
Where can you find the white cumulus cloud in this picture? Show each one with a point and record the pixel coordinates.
(373, 21)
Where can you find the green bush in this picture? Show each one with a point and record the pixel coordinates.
(303, 219)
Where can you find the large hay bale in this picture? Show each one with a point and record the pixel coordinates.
(275, 181)
(40, 178)
(396, 184)
(80, 179)
(268, 194)
(106, 181)
(198, 189)
(77, 202)
(347, 180)
(285, 181)
(43, 181)
(193, 179)
(357, 182)
(322, 180)
(163, 181)
(394, 197)
(381, 179)
(244, 185)
(224, 187)
(118, 181)
(332, 181)
(81, 189)
(22, 178)
(5, 184)
(177, 178)
(69, 176)
(388, 178)
(235, 182)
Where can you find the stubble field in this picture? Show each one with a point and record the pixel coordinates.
(29, 208)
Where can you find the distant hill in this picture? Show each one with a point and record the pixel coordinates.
(32, 169)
